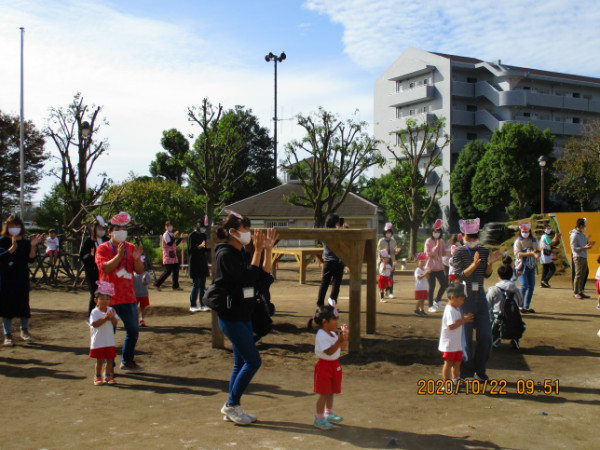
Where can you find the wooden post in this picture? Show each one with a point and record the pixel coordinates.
(356, 257)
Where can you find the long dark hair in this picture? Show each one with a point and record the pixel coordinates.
(17, 221)
(233, 220)
(331, 220)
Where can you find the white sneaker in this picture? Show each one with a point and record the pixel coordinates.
(432, 309)
(204, 308)
(390, 295)
(437, 305)
(236, 414)
(195, 309)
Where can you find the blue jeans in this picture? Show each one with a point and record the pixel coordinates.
(7, 324)
(527, 281)
(475, 359)
(128, 312)
(198, 287)
(246, 359)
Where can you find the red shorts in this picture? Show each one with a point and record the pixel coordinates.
(328, 377)
(453, 356)
(421, 295)
(384, 282)
(52, 252)
(103, 353)
(598, 287)
(143, 301)
(452, 277)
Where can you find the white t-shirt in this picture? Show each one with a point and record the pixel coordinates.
(104, 335)
(598, 274)
(545, 245)
(52, 244)
(323, 341)
(450, 340)
(451, 267)
(423, 283)
(385, 269)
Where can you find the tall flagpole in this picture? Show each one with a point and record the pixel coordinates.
(22, 196)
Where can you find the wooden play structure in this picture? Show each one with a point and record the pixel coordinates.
(352, 246)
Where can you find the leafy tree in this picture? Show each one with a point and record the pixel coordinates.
(578, 170)
(417, 152)
(171, 165)
(211, 164)
(255, 160)
(509, 173)
(152, 201)
(338, 154)
(462, 176)
(385, 190)
(52, 209)
(10, 169)
(77, 153)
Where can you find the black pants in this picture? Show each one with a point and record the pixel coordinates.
(443, 279)
(331, 270)
(169, 268)
(547, 271)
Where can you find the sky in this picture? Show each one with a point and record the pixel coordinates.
(146, 61)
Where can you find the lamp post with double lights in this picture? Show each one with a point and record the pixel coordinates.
(271, 57)
(542, 161)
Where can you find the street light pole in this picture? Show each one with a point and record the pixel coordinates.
(542, 161)
(271, 57)
(22, 137)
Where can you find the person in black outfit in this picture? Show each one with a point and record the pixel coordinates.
(197, 266)
(239, 276)
(87, 256)
(16, 251)
(333, 267)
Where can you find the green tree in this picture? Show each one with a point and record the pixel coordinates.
(52, 209)
(578, 170)
(170, 165)
(462, 175)
(339, 152)
(77, 153)
(509, 173)
(152, 201)
(417, 152)
(10, 170)
(211, 163)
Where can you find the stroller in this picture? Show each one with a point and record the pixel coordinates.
(507, 324)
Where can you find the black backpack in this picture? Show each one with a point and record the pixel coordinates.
(513, 326)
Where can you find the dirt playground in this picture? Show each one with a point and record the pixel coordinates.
(50, 402)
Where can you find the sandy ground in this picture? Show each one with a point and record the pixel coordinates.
(49, 401)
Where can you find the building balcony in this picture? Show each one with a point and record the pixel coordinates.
(463, 89)
(465, 118)
(400, 124)
(417, 94)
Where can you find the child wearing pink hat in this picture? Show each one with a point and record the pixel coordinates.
(102, 321)
(421, 284)
(385, 274)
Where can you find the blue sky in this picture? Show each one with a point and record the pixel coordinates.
(146, 61)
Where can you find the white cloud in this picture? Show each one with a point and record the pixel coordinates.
(557, 35)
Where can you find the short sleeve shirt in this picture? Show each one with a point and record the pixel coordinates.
(423, 283)
(122, 276)
(323, 341)
(104, 335)
(450, 340)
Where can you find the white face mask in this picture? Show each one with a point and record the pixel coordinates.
(388, 235)
(548, 231)
(14, 231)
(119, 235)
(472, 244)
(202, 230)
(525, 235)
(100, 233)
(437, 235)
(243, 238)
(170, 228)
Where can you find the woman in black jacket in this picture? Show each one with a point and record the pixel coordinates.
(197, 266)
(87, 256)
(238, 276)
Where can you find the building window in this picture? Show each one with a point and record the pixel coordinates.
(526, 88)
(411, 112)
(471, 136)
(587, 96)
(471, 80)
(398, 112)
(423, 109)
(276, 224)
(526, 114)
(472, 108)
(411, 85)
(426, 81)
(398, 86)
(576, 95)
(576, 120)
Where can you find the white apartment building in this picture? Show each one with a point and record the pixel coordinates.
(475, 97)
